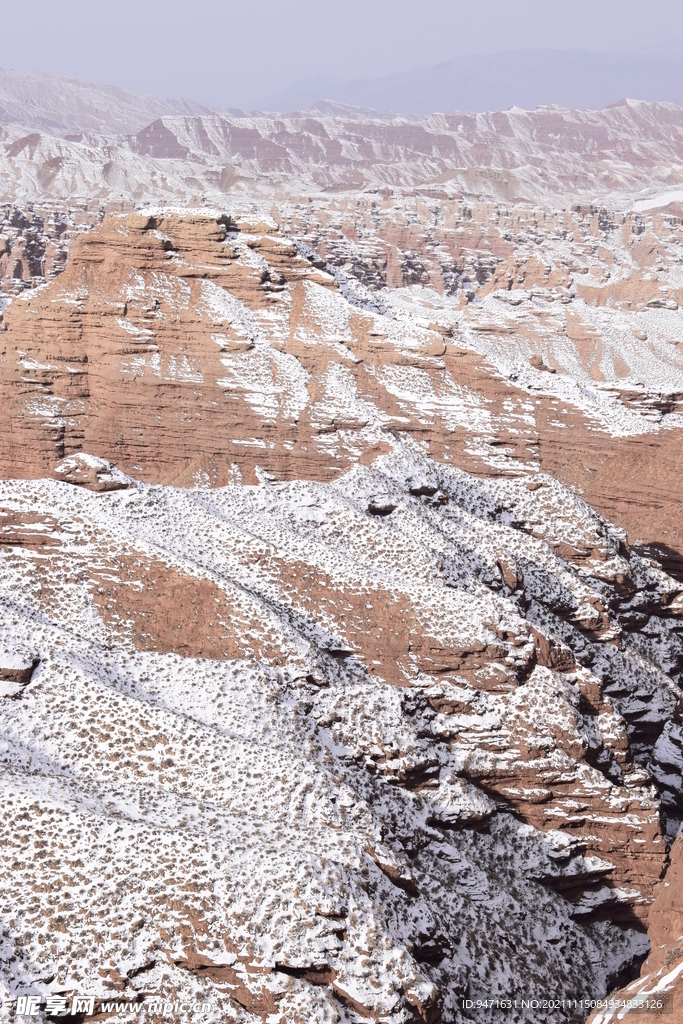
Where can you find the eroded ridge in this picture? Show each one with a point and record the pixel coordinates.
(513, 155)
(325, 691)
(379, 743)
(186, 345)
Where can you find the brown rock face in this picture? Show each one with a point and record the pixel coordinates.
(659, 990)
(190, 349)
(127, 358)
(136, 354)
(17, 670)
(666, 918)
(316, 510)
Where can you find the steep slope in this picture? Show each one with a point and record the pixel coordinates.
(659, 990)
(632, 149)
(61, 105)
(340, 564)
(342, 694)
(180, 345)
(317, 772)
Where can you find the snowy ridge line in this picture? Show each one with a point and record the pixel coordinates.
(308, 764)
(546, 151)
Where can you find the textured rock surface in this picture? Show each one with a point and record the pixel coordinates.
(325, 693)
(182, 345)
(516, 155)
(660, 987)
(34, 243)
(211, 726)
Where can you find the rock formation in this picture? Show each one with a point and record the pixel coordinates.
(342, 592)
(659, 989)
(77, 355)
(509, 156)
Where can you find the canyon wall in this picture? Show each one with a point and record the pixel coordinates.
(341, 645)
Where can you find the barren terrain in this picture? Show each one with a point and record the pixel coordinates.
(341, 559)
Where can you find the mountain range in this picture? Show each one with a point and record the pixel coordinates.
(341, 560)
(581, 79)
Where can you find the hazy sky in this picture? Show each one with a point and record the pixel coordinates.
(238, 53)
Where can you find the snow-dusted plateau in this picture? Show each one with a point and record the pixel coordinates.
(341, 561)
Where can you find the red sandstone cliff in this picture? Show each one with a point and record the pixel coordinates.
(533, 656)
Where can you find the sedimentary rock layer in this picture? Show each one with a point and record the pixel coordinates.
(325, 690)
(369, 743)
(658, 992)
(188, 346)
(372, 566)
(511, 156)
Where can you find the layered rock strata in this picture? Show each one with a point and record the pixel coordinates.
(325, 691)
(511, 156)
(367, 745)
(180, 346)
(658, 992)
(495, 771)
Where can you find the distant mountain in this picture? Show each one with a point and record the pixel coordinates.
(632, 151)
(497, 81)
(58, 104)
(526, 79)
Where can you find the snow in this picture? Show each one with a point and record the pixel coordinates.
(330, 777)
(643, 205)
(232, 798)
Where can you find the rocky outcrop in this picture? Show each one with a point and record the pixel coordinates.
(34, 244)
(659, 990)
(456, 733)
(508, 156)
(348, 700)
(16, 671)
(135, 312)
(150, 350)
(197, 349)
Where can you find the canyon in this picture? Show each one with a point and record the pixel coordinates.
(340, 560)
